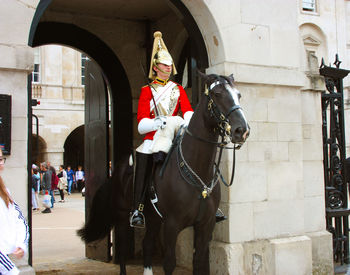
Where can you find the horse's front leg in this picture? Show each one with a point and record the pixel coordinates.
(153, 225)
(202, 237)
(121, 238)
(171, 232)
(123, 234)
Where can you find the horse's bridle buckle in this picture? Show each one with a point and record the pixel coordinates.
(140, 208)
(210, 104)
(228, 128)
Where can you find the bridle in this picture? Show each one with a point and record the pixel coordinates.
(223, 126)
(224, 129)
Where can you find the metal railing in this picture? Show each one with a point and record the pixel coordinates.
(334, 155)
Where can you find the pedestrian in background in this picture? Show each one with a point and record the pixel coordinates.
(80, 178)
(35, 202)
(46, 184)
(13, 229)
(70, 179)
(62, 183)
(37, 176)
(54, 182)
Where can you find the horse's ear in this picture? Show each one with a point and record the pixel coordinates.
(231, 78)
(202, 75)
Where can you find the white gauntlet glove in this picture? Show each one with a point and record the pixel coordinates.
(187, 118)
(159, 122)
(147, 125)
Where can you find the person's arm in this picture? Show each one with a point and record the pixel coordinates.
(7, 266)
(22, 233)
(146, 124)
(185, 105)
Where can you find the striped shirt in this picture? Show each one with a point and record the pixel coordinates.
(13, 234)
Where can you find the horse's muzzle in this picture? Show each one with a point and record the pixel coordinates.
(240, 135)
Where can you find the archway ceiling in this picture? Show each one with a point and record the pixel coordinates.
(130, 9)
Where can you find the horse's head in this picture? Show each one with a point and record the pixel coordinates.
(223, 101)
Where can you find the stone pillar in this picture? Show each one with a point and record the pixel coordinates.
(16, 62)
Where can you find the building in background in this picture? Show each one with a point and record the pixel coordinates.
(276, 206)
(58, 84)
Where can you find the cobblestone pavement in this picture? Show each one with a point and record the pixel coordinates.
(86, 266)
(58, 250)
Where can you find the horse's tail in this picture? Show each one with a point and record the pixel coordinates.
(101, 220)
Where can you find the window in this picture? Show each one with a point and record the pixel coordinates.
(84, 59)
(309, 5)
(36, 72)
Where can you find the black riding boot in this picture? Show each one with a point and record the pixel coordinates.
(142, 173)
(219, 216)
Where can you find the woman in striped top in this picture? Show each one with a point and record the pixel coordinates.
(13, 229)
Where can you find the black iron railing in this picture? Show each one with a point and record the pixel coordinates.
(334, 155)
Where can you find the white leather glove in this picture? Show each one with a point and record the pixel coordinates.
(147, 125)
(187, 118)
(159, 122)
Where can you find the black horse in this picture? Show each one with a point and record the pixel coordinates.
(187, 189)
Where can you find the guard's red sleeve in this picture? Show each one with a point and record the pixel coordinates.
(143, 110)
(184, 103)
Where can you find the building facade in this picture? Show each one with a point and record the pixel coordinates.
(276, 206)
(58, 86)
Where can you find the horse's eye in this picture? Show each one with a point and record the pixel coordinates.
(217, 93)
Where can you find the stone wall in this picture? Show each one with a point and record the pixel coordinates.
(16, 62)
(276, 205)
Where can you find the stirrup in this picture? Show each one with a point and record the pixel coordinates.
(137, 213)
(219, 216)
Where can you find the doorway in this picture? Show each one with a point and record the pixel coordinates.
(118, 37)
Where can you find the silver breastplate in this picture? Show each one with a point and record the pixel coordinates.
(166, 98)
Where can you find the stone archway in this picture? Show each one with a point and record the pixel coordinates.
(119, 45)
(74, 148)
(73, 36)
(39, 147)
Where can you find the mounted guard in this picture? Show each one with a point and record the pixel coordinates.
(160, 102)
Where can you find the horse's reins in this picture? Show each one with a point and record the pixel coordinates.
(224, 129)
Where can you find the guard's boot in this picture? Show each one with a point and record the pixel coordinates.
(219, 216)
(143, 170)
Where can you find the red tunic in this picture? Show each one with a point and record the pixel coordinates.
(144, 106)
